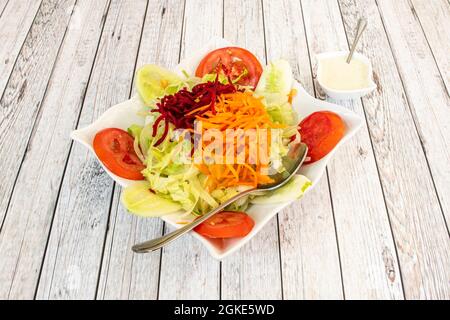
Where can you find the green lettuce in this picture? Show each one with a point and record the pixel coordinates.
(154, 82)
(275, 82)
(140, 200)
(292, 190)
(282, 113)
(135, 130)
(274, 86)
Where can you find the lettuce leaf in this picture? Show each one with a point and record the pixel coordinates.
(135, 130)
(274, 86)
(212, 77)
(292, 190)
(174, 187)
(282, 113)
(275, 82)
(139, 200)
(154, 82)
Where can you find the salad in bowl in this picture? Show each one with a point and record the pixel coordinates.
(220, 124)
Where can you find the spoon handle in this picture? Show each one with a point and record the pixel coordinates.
(160, 242)
(361, 26)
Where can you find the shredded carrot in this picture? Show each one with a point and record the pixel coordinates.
(291, 95)
(239, 110)
(198, 109)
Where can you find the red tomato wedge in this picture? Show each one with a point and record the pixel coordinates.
(226, 224)
(114, 148)
(321, 131)
(240, 63)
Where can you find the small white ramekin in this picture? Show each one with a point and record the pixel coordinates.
(345, 94)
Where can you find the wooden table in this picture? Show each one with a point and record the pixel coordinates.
(376, 226)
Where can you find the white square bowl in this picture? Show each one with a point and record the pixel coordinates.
(125, 114)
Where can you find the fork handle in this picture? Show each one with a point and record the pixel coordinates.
(155, 244)
(361, 26)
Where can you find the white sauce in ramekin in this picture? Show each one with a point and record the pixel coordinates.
(339, 75)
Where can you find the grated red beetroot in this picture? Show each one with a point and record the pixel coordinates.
(174, 108)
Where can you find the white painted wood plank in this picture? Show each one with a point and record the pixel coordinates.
(25, 231)
(304, 277)
(25, 89)
(15, 22)
(254, 271)
(3, 4)
(75, 248)
(434, 17)
(308, 242)
(427, 96)
(417, 221)
(126, 275)
(187, 269)
(368, 258)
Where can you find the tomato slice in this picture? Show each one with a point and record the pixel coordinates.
(321, 131)
(114, 148)
(226, 224)
(240, 63)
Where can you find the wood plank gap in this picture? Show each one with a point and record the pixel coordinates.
(429, 46)
(182, 31)
(335, 232)
(385, 205)
(71, 146)
(377, 166)
(114, 183)
(223, 18)
(40, 105)
(39, 113)
(326, 171)
(278, 217)
(3, 9)
(160, 264)
(220, 280)
(279, 254)
(109, 260)
(111, 52)
(105, 237)
(264, 28)
(201, 21)
(120, 264)
(164, 223)
(21, 47)
(408, 101)
(160, 260)
(244, 27)
(302, 273)
(428, 43)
